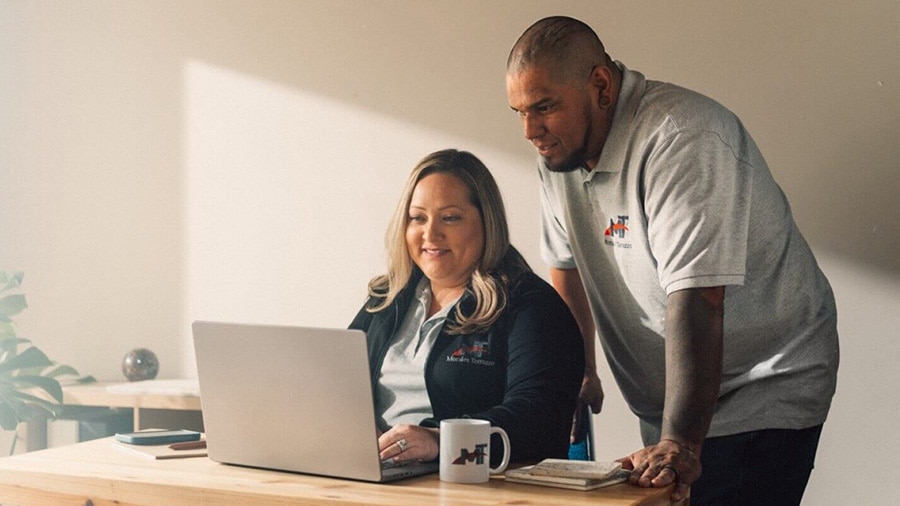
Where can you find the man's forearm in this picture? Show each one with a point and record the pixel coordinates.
(567, 283)
(694, 326)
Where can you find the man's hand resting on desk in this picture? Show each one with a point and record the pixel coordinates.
(664, 463)
(405, 443)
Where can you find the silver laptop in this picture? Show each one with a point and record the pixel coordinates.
(292, 399)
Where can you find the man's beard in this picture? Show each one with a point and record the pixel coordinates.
(578, 158)
(571, 163)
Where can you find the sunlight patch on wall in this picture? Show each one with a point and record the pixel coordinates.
(288, 196)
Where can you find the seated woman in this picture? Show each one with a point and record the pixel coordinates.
(460, 327)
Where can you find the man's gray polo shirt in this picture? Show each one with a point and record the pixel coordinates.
(682, 198)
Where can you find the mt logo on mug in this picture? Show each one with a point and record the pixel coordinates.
(477, 456)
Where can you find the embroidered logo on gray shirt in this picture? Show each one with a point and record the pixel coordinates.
(614, 235)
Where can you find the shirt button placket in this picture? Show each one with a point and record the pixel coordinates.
(587, 192)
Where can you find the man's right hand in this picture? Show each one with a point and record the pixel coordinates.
(591, 394)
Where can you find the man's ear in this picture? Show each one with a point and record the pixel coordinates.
(601, 80)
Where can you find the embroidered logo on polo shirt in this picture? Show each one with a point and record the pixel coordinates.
(479, 354)
(614, 235)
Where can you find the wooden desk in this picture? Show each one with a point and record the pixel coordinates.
(96, 473)
(34, 433)
(96, 394)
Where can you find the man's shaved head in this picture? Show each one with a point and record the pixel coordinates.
(567, 47)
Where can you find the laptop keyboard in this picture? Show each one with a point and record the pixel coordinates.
(391, 464)
(391, 470)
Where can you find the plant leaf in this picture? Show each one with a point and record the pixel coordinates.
(8, 343)
(20, 400)
(30, 371)
(11, 408)
(11, 305)
(11, 280)
(8, 418)
(7, 328)
(61, 370)
(29, 405)
(31, 357)
(49, 385)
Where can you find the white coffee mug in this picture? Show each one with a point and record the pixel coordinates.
(466, 450)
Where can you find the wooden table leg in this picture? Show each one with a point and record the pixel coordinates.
(34, 434)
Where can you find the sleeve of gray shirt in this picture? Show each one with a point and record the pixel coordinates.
(555, 250)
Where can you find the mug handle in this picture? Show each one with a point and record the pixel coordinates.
(505, 462)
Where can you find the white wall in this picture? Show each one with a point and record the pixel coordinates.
(167, 161)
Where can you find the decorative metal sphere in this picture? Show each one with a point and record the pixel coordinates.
(140, 364)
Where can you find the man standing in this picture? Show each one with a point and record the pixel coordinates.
(667, 235)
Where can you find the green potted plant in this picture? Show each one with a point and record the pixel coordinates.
(29, 387)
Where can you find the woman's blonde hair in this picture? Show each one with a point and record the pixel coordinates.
(500, 263)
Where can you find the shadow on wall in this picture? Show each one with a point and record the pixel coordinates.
(856, 215)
